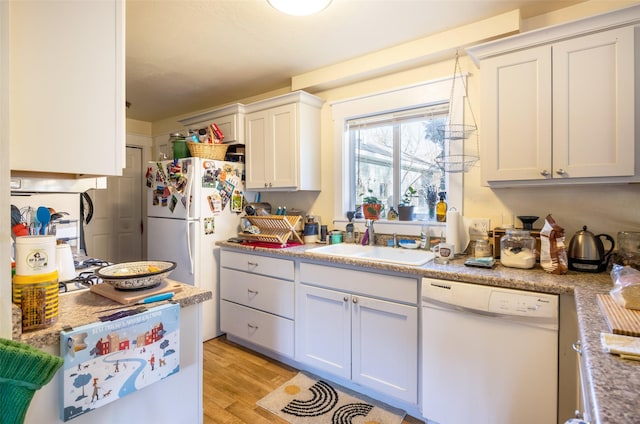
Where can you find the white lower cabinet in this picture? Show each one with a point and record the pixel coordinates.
(361, 326)
(257, 300)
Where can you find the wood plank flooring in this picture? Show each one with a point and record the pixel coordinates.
(234, 378)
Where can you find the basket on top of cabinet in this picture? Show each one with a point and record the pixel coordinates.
(273, 228)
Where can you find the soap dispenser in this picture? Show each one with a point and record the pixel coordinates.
(441, 208)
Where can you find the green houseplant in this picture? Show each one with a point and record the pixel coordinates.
(405, 208)
(371, 205)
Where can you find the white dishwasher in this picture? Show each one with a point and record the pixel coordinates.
(489, 355)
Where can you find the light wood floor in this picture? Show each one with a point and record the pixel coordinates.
(235, 378)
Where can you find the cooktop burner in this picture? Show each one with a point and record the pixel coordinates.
(86, 276)
(89, 262)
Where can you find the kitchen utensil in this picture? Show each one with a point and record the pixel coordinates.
(44, 217)
(136, 275)
(527, 221)
(145, 301)
(586, 251)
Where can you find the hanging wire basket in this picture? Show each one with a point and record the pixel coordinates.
(458, 155)
(457, 131)
(456, 163)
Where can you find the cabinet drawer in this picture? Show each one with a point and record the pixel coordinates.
(262, 329)
(257, 291)
(400, 289)
(264, 265)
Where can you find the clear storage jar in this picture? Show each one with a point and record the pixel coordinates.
(518, 249)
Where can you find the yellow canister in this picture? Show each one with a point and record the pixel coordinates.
(37, 296)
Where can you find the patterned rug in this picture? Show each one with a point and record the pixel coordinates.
(308, 400)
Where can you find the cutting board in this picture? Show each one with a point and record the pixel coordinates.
(133, 296)
(620, 320)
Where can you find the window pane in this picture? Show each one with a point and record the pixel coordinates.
(421, 143)
(394, 152)
(373, 148)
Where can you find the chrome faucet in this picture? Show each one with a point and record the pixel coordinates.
(371, 240)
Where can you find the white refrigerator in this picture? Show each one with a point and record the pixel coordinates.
(191, 204)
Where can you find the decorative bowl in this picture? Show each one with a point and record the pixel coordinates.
(136, 275)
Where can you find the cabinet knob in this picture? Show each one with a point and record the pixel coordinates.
(346, 298)
(270, 185)
(544, 173)
(252, 291)
(355, 299)
(266, 185)
(561, 172)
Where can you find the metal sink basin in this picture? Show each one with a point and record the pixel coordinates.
(392, 255)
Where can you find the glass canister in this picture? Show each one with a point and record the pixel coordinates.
(179, 146)
(482, 249)
(518, 249)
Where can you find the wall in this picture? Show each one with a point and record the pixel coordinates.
(604, 208)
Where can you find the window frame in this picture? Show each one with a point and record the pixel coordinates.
(418, 95)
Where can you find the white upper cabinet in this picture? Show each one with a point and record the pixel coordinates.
(558, 106)
(230, 120)
(283, 143)
(67, 82)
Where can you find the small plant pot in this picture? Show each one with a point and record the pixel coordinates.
(372, 210)
(405, 213)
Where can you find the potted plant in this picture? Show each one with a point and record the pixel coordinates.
(371, 206)
(405, 208)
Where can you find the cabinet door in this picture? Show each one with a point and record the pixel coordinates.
(272, 148)
(516, 92)
(67, 87)
(323, 329)
(257, 127)
(593, 105)
(283, 161)
(232, 127)
(385, 347)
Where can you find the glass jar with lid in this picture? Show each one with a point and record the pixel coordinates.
(482, 249)
(518, 249)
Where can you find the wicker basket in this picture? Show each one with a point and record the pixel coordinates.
(208, 150)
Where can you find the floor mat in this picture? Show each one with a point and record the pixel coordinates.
(308, 400)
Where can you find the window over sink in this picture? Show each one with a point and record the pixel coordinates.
(386, 142)
(394, 159)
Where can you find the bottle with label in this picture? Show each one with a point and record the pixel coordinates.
(441, 208)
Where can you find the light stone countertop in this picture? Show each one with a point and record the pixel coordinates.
(614, 383)
(84, 307)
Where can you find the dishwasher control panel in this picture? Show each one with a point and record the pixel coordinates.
(523, 304)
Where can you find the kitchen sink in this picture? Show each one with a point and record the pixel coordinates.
(392, 255)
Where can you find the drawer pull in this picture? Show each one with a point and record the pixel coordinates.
(252, 263)
(252, 291)
(252, 326)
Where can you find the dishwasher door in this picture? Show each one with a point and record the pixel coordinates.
(489, 355)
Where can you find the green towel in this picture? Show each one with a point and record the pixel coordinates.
(23, 370)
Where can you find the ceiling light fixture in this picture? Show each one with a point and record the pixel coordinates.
(299, 7)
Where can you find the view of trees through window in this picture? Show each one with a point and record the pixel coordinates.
(394, 152)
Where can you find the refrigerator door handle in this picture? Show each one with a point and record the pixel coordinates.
(188, 218)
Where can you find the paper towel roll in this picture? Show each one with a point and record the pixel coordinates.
(454, 223)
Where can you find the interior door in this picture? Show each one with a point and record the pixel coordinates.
(115, 232)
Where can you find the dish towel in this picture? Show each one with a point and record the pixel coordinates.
(23, 370)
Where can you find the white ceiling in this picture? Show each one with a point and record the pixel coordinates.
(187, 55)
